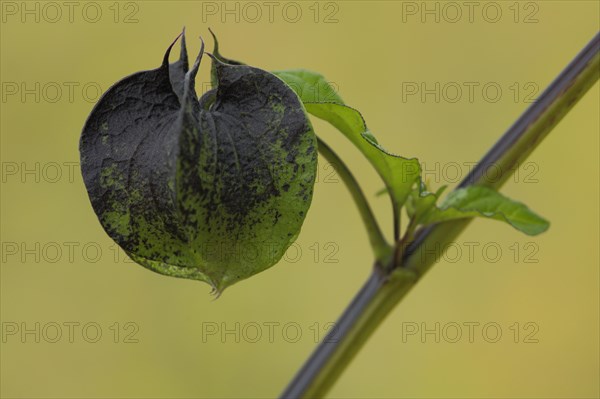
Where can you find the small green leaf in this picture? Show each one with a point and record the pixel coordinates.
(420, 201)
(212, 189)
(480, 201)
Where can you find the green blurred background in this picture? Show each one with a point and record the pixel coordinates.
(61, 274)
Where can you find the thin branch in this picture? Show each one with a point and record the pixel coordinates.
(380, 247)
(388, 285)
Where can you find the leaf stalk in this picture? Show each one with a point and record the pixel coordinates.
(381, 248)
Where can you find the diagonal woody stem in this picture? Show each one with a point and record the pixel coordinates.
(389, 283)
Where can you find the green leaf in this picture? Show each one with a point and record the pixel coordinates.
(311, 87)
(480, 201)
(212, 189)
(398, 173)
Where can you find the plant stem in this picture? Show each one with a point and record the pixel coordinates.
(381, 248)
(388, 285)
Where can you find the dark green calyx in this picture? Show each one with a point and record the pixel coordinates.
(212, 189)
